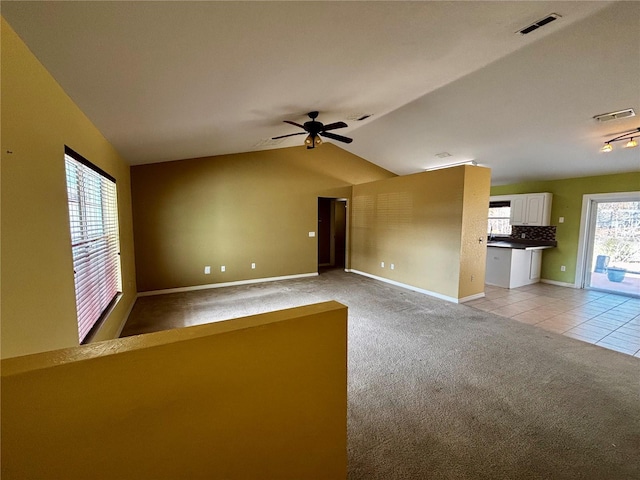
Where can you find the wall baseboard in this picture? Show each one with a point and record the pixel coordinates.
(559, 284)
(411, 287)
(224, 284)
(471, 297)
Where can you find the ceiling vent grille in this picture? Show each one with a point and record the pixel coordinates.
(358, 117)
(268, 142)
(540, 23)
(607, 117)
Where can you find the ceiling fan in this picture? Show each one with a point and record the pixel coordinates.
(315, 130)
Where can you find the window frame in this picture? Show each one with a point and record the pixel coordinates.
(499, 204)
(92, 203)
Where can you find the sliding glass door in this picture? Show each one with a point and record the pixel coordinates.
(612, 260)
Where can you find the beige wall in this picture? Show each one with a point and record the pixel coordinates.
(262, 397)
(473, 252)
(38, 120)
(427, 225)
(234, 210)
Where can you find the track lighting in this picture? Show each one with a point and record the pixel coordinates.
(632, 143)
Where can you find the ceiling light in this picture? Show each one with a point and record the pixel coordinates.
(629, 135)
(312, 141)
(457, 164)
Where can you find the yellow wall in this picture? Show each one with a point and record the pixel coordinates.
(38, 120)
(234, 210)
(262, 397)
(473, 253)
(427, 225)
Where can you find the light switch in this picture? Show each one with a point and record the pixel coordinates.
(561, 220)
(253, 265)
(382, 264)
(312, 234)
(207, 270)
(222, 268)
(392, 266)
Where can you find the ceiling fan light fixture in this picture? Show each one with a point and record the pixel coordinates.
(316, 129)
(312, 141)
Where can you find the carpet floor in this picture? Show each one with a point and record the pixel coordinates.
(444, 391)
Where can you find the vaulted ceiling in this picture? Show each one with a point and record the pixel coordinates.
(173, 80)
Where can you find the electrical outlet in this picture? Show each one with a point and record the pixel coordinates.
(563, 268)
(253, 266)
(223, 268)
(392, 266)
(207, 270)
(523, 235)
(382, 264)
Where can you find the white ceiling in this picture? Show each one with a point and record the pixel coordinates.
(173, 80)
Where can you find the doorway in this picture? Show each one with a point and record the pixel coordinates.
(332, 232)
(610, 250)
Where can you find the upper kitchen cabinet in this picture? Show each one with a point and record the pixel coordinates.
(531, 209)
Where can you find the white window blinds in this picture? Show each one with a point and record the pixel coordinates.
(95, 243)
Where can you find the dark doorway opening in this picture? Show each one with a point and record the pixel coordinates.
(332, 232)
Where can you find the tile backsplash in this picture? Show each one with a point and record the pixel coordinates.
(534, 233)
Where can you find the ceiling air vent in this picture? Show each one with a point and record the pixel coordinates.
(540, 23)
(268, 142)
(606, 117)
(358, 117)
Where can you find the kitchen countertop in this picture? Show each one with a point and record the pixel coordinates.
(522, 244)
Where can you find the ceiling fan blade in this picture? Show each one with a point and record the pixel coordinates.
(340, 138)
(294, 124)
(333, 126)
(290, 135)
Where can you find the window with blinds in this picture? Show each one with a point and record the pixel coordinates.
(95, 243)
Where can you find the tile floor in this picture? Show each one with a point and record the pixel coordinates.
(608, 320)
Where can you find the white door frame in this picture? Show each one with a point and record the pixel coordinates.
(588, 202)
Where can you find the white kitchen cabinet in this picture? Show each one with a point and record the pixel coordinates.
(531, 209)
(512, 267)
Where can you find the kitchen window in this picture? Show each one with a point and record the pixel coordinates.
(95, 243)
(499, 219)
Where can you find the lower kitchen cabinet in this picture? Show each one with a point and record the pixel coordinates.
(512, 267)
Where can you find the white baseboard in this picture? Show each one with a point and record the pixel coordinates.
(559, 284)
(471, 297)
(224, 284)
(411, 287)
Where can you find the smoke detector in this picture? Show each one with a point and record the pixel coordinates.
(540, 23)
(607, 117)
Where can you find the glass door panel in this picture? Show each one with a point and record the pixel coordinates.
(614, 247)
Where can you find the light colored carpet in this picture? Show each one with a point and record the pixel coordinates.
(444, 391)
